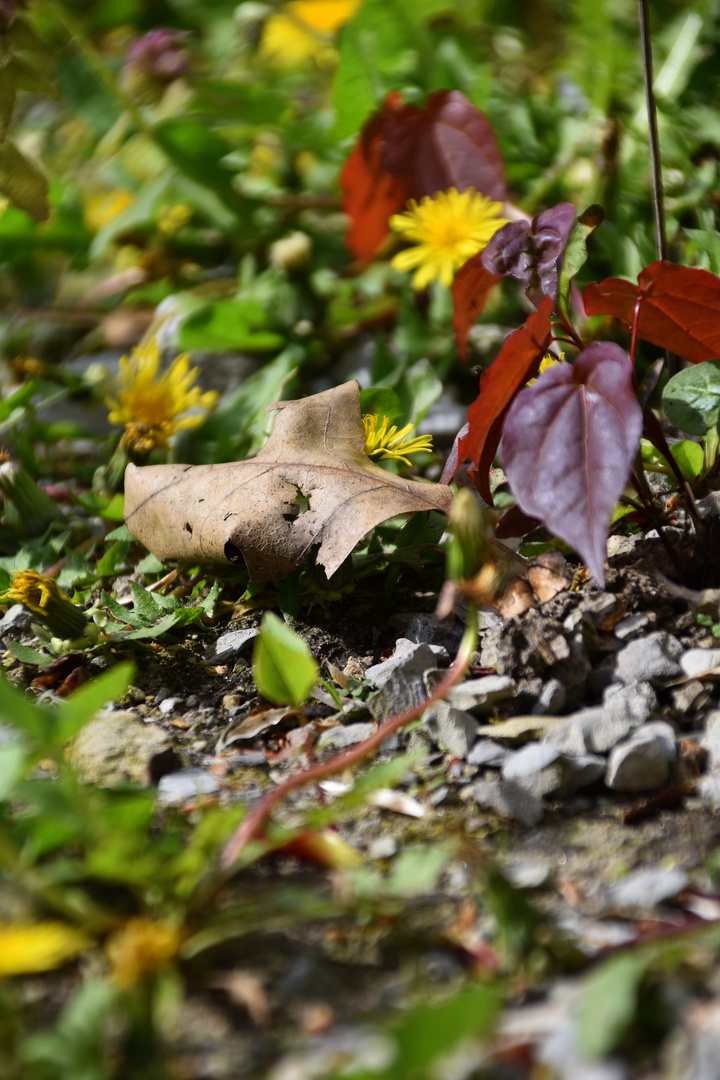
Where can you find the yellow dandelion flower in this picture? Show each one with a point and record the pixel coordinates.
(170, 219)
(447, 230)
(44, 598)
(387, 442)
(141, 948)
(151, 406)
(30, 947)
(302, 31)
(547, 361)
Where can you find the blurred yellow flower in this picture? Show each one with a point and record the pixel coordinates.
(447, 230)
(384, 442)
(170, 219)
(150, 405)
(42, 946)
(102, 207)
(302, 32)
(141, 948)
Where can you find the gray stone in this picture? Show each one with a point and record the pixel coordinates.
(508, 799)
(427, 630)
(698, 1046)
(655, 656)
(231, 644)
(487, 752)
(647, 888)
(689, 697)
(450, 728)
(551, 699)
(638, 765)
(178, 787)
(697, 662)
(530, 874)
(632, 625)
(662, 731)
(637, 700)
(595, 730)
(15, 620)
(544, 770)
(118, 748)
(382, 847)
(480, 695)
(580, 771)
(338, 738)
(409, 658)
(708, 788)
(711, 740)
(532, 758)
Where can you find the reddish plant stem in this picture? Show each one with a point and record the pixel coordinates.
(257, 817)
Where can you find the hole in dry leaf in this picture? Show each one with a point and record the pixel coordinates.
(233, 553)
(302, 503)
(188, 527)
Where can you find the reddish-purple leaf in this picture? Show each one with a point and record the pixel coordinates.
(518, 360)
(449, 143)
(470, 290)
(569, 445)
(515, 523)
(679, 308)
(406, 152)
(532, 252)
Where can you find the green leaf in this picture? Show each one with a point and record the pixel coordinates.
(229, 324)
(7, 99)
(434, 1029)
(576, 252)
(690, 457)
(198, 152)
(120, 612)
(13, 766)
(114, 558)
(22, 182)
(608, 1002)
(27, 655)
(284, 669)
(691, 399)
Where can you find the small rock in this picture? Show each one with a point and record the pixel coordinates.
(711, 740)
(480, 695)
(698, 662)
(638, 765)
(531, 874)
(532, 758)
(637, 700)
(655, 656)
(15, 621)
(178, 787)
(708, 788)
(339, 737)
(231, 644)
(116, 748)
(410, 658)
(551, 699)
(452, 729)
(647, 888)
(690, 697)
(632, 625)
(427, 630)
(487, 752)
(382, 847)
(170, 705)
(508, 799)
(594, 730)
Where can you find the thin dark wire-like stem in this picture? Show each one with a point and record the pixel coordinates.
(654, 143)
(657, 186)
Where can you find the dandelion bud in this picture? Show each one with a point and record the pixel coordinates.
(35, 509)
(153, 61)
(467, 548)
(44, 598)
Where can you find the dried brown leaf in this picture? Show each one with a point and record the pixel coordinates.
(255, 510)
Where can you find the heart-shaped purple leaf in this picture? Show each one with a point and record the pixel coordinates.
(569, 445)
(531, 253)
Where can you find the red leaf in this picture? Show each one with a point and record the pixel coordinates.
(679, 310)
(515, 523)
(470, 290)
(371, 195)
(406, 152)
(569, 444)
(518, 360)
(449, 143)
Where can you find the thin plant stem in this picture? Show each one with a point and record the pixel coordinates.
(249, 828)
